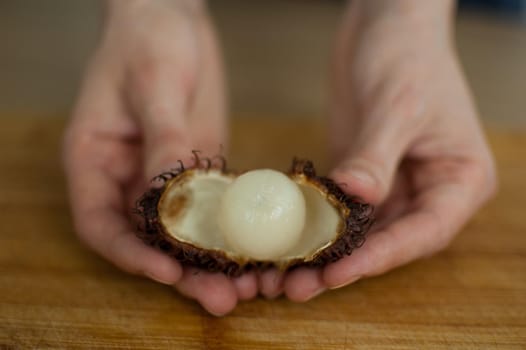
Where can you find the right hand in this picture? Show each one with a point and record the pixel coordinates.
(406, 138)
(152, 93)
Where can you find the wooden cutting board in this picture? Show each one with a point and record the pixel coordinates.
(55, 294)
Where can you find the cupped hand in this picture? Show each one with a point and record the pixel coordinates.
(405, 137)
(152, 93)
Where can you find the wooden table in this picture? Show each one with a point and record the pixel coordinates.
(54, 293)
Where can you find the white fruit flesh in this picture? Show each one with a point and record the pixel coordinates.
(262, 214)
(190, 209)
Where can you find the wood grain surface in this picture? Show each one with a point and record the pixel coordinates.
(55, 294)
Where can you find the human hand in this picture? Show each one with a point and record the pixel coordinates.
(405, 137)
(152, 93)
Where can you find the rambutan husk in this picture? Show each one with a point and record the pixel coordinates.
(356, 219)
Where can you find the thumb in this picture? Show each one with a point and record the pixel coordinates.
(161, 106)
(367, 173)
(371, 161)
(166, 142)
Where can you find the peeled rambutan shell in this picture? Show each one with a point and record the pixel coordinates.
(181, 219)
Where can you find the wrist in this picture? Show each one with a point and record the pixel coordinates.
(435, 15)
(118, 8)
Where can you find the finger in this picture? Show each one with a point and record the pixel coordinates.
(303, 284)
(246, 286)
(159, 98)
(385, 130)
(97, 160)
(102, 222)
(397, 201)
(114, 239)
(429, 225)
(207, 113)
(99, 105)
(271, 283)
(214, 291)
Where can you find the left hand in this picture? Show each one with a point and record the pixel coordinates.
(406, 138)
(152, 92)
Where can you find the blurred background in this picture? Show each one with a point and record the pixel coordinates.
(276, 51)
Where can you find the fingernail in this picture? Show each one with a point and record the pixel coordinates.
(362, 176)
(316, 293)
(357, 170)
(158, 279)
(216, 314)
(349, 281)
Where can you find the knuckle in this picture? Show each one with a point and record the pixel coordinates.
(484, 179)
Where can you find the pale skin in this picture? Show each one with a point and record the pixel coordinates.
(405, 136)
